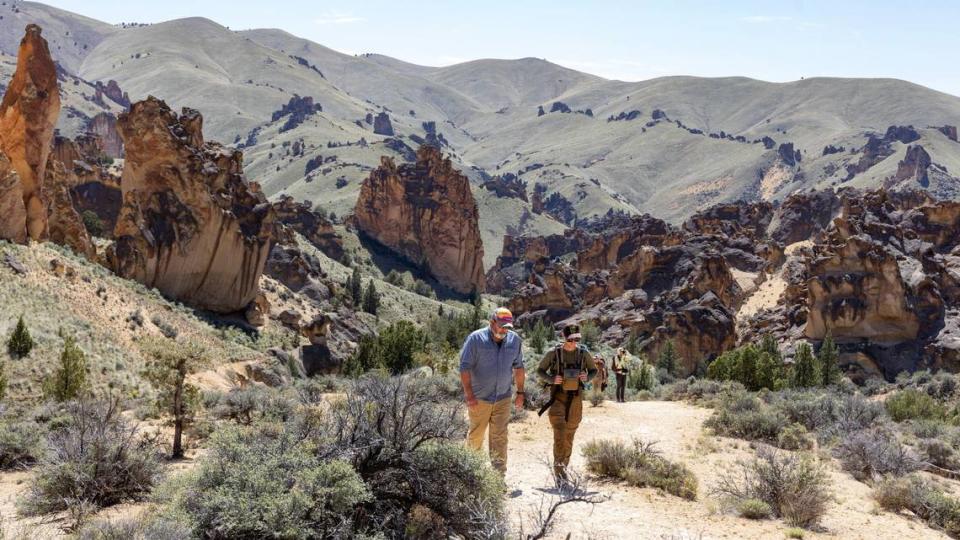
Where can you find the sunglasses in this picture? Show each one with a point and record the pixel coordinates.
(575, 340)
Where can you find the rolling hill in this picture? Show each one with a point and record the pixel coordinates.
(669, 146)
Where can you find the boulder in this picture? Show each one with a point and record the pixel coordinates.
(190, 224)
(426, 213)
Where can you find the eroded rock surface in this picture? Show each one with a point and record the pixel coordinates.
(426, 213)
(190, 224)
(28, 115)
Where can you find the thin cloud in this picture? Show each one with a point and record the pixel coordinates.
(335, 17)
(761, 19)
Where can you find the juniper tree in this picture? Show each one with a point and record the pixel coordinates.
(806, 372)
(356, 287)
(667, 360)
(20, 343)
(169, 363)
(827, 358)
(371, 299)
(70, 377)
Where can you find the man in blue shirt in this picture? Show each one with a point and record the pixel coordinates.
(491, 361)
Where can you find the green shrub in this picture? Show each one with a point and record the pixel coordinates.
(393, 349)
(746, 417)
(641, 376)
(794, 437)
(19, 344)
(265, 483)
(749, 365)
(639, 465)
(793, 485)
(69, 379)
(97, 460)
(21, 444)
(454, 481)
(540, 335)
(871, 453)
(92, 222)
(3, 381)
(920, 496)
(590, 333)
(139, 528)
(754, 509)
(912, 404)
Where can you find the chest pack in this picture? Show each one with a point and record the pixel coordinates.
(571, 379)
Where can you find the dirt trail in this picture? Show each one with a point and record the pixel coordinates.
(647, 513)
(629, 512)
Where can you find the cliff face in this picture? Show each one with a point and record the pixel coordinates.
(28, 115)
(426, 213)
(190, 225)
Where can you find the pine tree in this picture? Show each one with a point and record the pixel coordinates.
(806, 372)
(667, 360)
(168, 365)
(70, 377)
(356, 287)
(371, 299)
(827, 358)
(20, 343)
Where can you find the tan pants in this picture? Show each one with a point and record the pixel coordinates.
(564, 429)
(495, 416)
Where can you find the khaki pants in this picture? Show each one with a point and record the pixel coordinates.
(564, 429)
(495, 416)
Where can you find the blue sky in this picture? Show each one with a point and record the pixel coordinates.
(774, 41)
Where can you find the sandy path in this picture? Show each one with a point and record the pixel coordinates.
(646, 513)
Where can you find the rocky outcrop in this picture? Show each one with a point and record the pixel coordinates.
(382, 125)
(190, 224)
(507, 185)
(949, 131)
(65, 226)
(803, 215)
(913, 168)
(317, 229)
(113, 92)
(425, 212)
(297, 110)
(28, 115)
(104, 126)
(882, 279)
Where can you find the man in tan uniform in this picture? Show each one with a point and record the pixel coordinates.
(566, 370)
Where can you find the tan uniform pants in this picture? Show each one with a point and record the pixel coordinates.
(564, 429)
(495, 416)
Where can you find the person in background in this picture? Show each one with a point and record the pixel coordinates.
(566, 370)
(620, 371)
(602, 375)
(491, 362)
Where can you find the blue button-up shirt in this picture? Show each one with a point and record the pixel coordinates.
(491, 364)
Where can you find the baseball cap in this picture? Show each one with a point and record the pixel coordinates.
(503, 317)
(571, 331)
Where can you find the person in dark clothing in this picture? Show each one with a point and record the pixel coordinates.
(620, 370)
(565, 370)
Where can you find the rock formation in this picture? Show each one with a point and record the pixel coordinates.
(913, 168)
(28, 115)
(382, 125)
(425, 212)
(111, 90)
(314, 227)
(296, 110)
(104, 126)
(190, 224)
